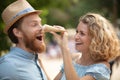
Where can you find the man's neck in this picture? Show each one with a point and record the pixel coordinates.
(24, 48)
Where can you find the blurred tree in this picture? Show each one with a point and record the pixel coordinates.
(4, 41)
(68, 12)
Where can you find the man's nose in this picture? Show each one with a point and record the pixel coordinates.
(41, 29)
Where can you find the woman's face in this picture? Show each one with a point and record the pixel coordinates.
(82, 37)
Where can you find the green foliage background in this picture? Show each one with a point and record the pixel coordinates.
(65, 13)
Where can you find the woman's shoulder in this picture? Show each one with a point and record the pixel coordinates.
(99, 70)
(101, 66)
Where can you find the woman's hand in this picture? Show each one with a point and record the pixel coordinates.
(62, 39)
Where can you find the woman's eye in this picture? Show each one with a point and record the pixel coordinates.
(81, 33)
(76, 31)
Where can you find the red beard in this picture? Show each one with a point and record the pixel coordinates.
(33, 45)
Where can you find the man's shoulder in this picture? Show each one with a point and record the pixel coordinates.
(7, 68)
(6, 62)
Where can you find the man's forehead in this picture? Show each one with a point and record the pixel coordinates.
(32, 18)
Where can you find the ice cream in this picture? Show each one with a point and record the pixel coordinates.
(48, 28)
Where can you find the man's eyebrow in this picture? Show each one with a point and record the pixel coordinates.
(35, 20)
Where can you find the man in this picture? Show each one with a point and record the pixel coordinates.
(24, 28)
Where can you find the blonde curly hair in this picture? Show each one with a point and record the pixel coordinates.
(105, 44)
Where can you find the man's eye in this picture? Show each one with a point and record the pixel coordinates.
(34, 24)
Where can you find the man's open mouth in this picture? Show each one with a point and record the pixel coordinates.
(39, 38)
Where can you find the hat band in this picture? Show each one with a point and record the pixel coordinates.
(27, 10)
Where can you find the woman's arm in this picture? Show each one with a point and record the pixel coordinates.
(58, 77)
(70, 72)
(40, 62)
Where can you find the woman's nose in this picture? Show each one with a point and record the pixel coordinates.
(77, 36)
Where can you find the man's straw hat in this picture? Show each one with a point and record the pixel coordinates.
(15, 11)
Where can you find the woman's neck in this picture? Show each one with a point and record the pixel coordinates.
(85, 60)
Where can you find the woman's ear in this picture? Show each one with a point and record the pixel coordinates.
(17, 32)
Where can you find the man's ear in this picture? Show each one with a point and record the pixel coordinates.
(17, 32)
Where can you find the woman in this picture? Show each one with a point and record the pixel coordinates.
(98, 43)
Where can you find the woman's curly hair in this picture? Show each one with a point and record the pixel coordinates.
(105, 43)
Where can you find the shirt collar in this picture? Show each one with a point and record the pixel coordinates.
(22, 53)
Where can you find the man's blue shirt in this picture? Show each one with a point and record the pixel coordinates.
(19, 65)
